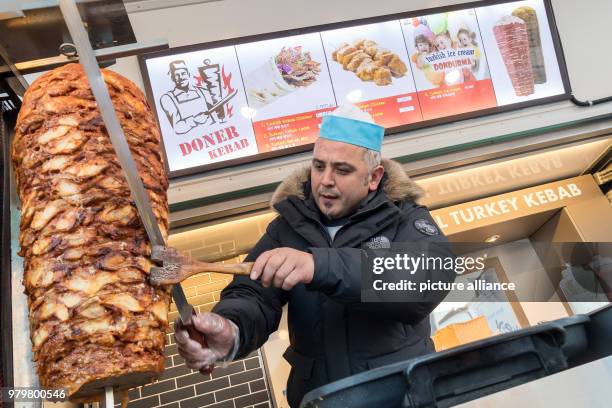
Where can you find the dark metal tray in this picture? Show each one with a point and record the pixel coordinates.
(476, 369)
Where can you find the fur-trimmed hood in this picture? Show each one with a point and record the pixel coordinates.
(396, 185)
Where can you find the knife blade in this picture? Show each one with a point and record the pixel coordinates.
(186, 314)
(100, 91)
(184, 308)
(221, 102)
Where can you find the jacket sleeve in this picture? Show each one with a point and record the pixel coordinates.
(338, 275)
(254, 309)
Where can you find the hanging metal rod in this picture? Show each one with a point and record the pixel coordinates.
(103, 54)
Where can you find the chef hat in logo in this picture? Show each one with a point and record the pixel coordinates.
(176, 65)
(349, 124)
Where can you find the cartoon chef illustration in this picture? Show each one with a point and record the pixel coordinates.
(187, 105)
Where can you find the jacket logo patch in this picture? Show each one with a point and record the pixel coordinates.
(426, 227)
(378, 242)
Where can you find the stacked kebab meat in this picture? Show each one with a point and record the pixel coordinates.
(513, 42)
(94, 318)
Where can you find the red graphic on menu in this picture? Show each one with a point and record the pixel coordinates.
(450, 100)
(451, 71)
(302, 129)
(394, 110)
(288, 131)
(227, 81)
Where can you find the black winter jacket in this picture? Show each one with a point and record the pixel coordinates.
(332, 334)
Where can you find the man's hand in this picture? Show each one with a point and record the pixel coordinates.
(284, 268)
(201, 118)
(218, 333)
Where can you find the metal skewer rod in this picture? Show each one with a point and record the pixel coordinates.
(115, 132)
(117, 137)
(98, 87)
(109, 398)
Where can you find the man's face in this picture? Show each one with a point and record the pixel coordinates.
(181, 78)
(340, 178)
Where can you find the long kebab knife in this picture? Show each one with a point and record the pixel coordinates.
(143, 204)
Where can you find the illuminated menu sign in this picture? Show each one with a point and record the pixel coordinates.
(246, 99)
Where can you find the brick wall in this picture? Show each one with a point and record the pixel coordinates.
(224, 240)
(241, 384)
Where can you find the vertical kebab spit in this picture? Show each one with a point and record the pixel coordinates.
(536, 53)
(95, 321)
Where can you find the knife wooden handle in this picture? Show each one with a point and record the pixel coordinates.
(178, 267)
(243, 268)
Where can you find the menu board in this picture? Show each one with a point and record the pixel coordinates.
(519, 44)
(369, 67)
(450, 68)
(288, 88)
(198, 99)
(247, 99)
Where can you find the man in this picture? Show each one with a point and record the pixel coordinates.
(186, 106)
(310, 258)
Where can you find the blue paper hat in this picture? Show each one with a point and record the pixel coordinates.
(340, 128)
